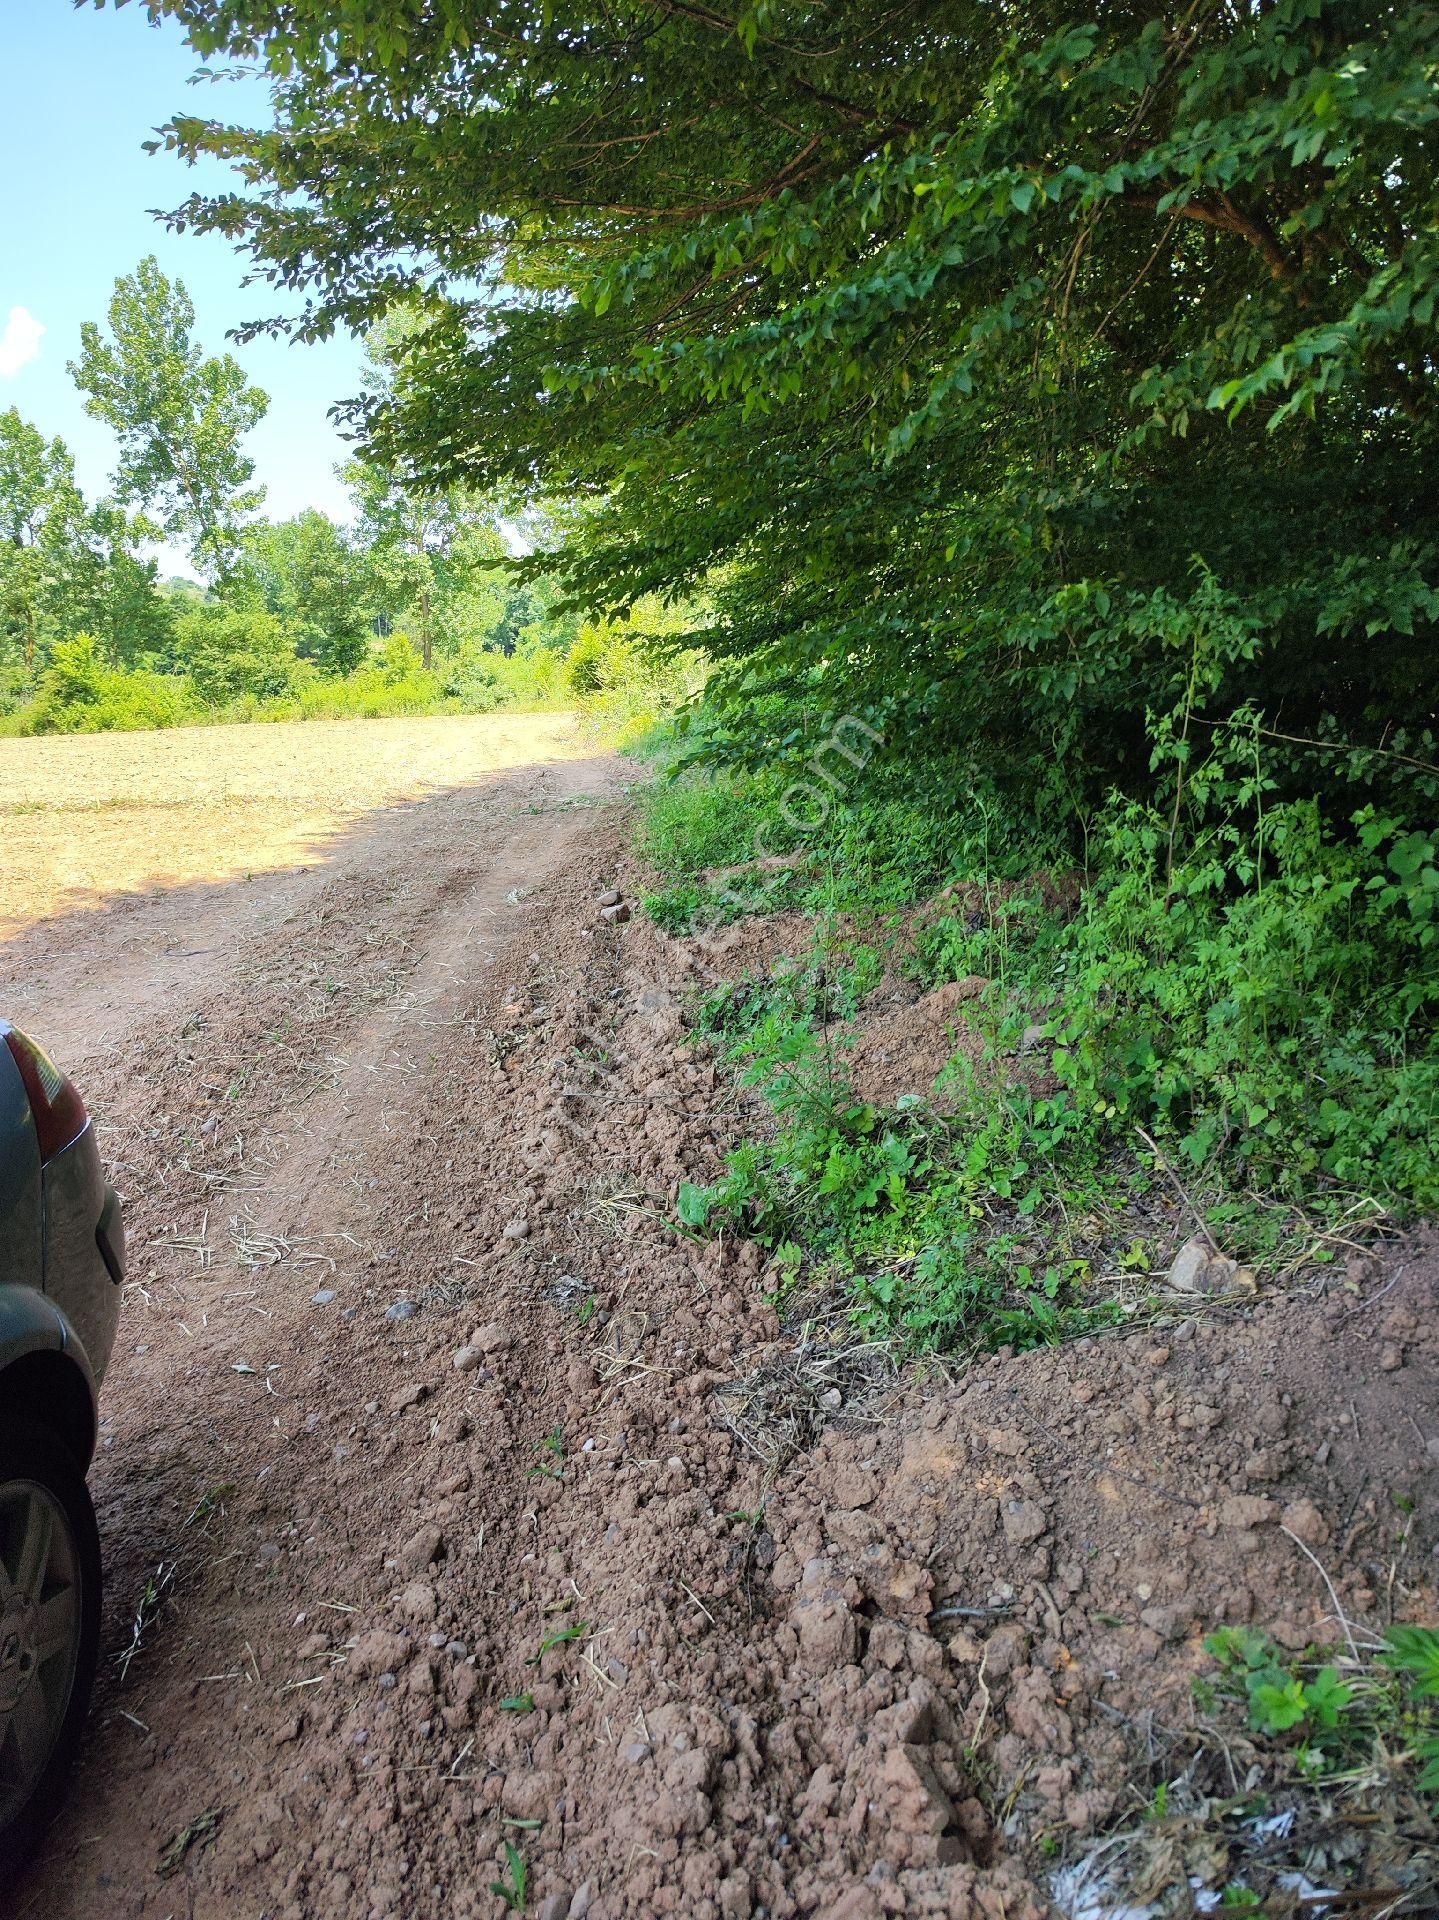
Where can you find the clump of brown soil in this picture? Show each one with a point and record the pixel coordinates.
(502, 1511)
(905, 1042)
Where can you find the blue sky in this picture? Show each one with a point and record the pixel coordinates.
(83, 91)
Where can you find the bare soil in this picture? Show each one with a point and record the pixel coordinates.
(480, 1506)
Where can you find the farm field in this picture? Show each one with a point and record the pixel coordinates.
(88, 818)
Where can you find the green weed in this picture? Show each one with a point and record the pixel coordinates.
(511, 1888)
(562, 1636)
(945, 1230)
(553, 1444)
(1413, 1653)
(1235, 978)
(1383, 1712)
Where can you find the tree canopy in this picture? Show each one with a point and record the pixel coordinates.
(1031, 374)
(179, 416)
(65, 565)
(319, 583)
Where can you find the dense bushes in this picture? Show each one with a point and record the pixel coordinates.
(242, 668)
(1232, 976)
(234, 653)
(626, 672)
(78, 693)
(1270, 1002)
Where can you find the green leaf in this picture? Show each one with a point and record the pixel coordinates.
(1277, 1705)
(693, 1204)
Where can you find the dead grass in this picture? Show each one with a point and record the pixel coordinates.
(86, 817)
(791, 1391)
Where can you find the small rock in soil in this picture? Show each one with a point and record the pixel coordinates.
(1197, 1268)
(323, 1297)
(1189, 1269)
(422, 1549)
(1024, 1522)
(1247, 1510)
(402, 1310)
(378, 1652)
(1305, 1522)
(616, 915)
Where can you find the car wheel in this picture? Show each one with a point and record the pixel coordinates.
(49, 1630)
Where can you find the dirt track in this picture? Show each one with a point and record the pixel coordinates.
(861, 1681)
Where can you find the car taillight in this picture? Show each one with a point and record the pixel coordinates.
(58, 1110)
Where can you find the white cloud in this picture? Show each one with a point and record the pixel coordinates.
(19, 341)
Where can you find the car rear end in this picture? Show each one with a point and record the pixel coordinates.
(62, 1257)
(74, 1220)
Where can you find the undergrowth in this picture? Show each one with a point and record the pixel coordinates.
(1341, 1719)
(1228, 1007)
(999, 1222)
(618, 689)
(1313, 1773)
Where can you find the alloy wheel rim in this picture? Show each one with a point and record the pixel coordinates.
(39, 1635)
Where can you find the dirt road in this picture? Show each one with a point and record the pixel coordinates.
(263, 1058)
(453, 1504)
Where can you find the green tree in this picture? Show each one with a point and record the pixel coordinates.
(110, 590)
(1017, 378)
(436, 549)
(234, 653)
(179, 416)
(409, 533)
(318, 582)
(42, 513)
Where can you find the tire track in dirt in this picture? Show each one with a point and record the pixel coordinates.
(237, 1146)
(540, 1564)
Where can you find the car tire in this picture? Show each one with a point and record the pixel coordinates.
(49, 1631)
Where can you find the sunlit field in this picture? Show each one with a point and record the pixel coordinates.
(89, 816)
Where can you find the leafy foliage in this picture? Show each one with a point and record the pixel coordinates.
(1017, 378)
(1261, 985)
(66, 567)
(1413, 1652)
(1279, 1699)
(178, 415)
(947, 1230)
(234, 651)
(511, 1889)
(1384, 1713)
(1238, 977)
(79, 693)
(318, 583)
